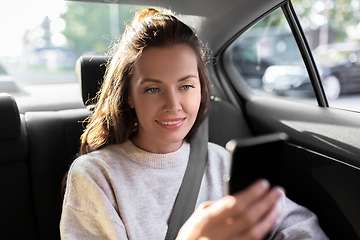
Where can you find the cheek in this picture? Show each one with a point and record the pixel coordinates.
(145, 108)
(193, 104)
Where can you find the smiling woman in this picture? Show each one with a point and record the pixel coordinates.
(136, 148)
(122, 71)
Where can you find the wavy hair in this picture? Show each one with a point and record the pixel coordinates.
(113, 120)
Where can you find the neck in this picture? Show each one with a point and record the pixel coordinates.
(156, 147)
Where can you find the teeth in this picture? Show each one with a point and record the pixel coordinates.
(170, 123)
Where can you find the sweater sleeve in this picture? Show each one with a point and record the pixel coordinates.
(89, 208)
(296, 222)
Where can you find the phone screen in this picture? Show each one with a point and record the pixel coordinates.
(255, 158)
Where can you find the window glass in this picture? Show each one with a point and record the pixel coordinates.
(38, 50)
(332, 28)
(267, 58)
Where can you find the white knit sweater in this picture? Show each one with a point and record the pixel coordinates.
(124, 192)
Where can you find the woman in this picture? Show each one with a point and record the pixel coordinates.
(136, 147)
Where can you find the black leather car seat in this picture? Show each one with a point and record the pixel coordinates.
(54, 139)
(18, 219)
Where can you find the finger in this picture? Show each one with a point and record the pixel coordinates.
(249, 196)
(263, 227)
(253, 192)
(233, 205)
(259, 209)
(255, 213)
(226, 212)
(206, 204)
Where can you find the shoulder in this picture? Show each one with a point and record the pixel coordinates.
(100, 161)
(90, 181)
(94, 171)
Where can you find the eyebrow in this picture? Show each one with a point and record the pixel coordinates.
(159, 81)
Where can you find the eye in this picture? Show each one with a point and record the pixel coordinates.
(186, 87)
(152, 90)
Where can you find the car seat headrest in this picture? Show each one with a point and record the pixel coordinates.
(91, 70)
(10, 117)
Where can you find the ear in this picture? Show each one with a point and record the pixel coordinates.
(130, 102)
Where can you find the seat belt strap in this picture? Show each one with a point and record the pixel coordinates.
(189, 190)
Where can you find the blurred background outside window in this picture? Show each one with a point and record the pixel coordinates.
(267, 58)
(41, 41)
(332, 28)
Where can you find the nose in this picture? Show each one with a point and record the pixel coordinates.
(172, 102)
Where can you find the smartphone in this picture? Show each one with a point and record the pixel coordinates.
(255, 158)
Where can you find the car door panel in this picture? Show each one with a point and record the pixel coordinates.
(325, 186)
(332, 132)
(321, 166)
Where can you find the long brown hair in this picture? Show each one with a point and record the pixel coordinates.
(113, 120)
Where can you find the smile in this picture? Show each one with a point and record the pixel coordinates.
(171, 124)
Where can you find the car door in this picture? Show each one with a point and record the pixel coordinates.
(322, 160)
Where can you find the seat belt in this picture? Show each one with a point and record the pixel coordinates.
(189, 190)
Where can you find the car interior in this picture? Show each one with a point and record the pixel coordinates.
(320, 163)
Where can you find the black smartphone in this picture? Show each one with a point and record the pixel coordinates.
(255, 158)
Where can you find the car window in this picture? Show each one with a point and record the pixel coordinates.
(332, 29)
(2, 71)
(39, 49)
(268, 60)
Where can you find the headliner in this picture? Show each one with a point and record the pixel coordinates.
(212, 15)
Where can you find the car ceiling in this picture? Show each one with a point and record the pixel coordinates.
(212, 15)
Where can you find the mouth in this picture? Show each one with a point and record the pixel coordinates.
(171, 123)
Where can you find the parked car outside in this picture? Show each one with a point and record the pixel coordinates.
(339, 71)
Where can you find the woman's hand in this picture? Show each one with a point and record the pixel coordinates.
(249, 214)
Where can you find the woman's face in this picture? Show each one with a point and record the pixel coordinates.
(165, 91)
